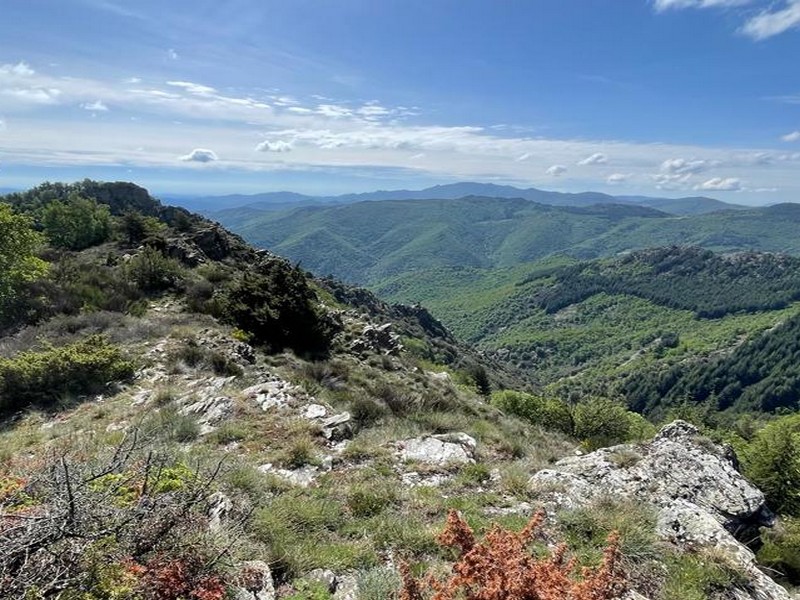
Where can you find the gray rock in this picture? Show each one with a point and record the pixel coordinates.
(254, 581)
(273, 393)
(209, 412)
(346, 588)
(338, 427)
(701, 499)
(439, 450)
(219, 505)
(325, 577)
(315, 411)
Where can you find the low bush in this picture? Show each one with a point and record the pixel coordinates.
(44, 377)
(502, 567)
(548, 413)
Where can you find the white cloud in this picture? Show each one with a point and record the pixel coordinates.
(33, 95)
(556, 170)
(300, 110)
(172, 54)
(769, 23)
(200, 155)
(791, 137)
(523, 156)
(20, 69)
(598, 158)
(276, 146)
(3, 125)
(334, 111)
(96, 106)
(720, 184)
(617, 178)
(681, 166)
(193, 88)
(371, 110)
(662, 5)
(133, 80)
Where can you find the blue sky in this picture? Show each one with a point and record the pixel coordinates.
(657, 97)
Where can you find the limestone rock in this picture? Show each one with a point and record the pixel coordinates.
(273, 393)
(338, 427)
(210, 412)
(701, 498)
(325, 577)
(439, 450)
(346, 588)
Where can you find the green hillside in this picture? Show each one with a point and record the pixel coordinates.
(369, 242)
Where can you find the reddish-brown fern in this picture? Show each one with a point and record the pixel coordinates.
(501, 567)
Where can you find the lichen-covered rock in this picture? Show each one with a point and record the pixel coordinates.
(439, 450)
(701, 498)
(209, 412)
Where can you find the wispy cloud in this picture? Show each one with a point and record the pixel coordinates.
(662, 5)
(274, 146)
(773, 22)
(794, 136)
(769, 22)
(720, 184)
(598, 158)
(556, 170)
(617, 178)
(193, 88)
(96, 106)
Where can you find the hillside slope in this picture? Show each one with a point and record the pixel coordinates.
(184, 416)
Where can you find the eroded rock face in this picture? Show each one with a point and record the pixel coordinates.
(695, 486)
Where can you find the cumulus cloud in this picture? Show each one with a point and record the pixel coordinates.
(791, 137)
(96, 106)
(720, 184)
(200, 155)
(276, 146)
(193, 88)
(20, 69)
(556, 170)
(617, 178)
(773, 22)
(598, 158)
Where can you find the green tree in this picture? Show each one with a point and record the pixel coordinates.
(76, 223)
(772, 462)
(548, 413)
(18, 261)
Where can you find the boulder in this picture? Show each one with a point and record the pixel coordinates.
(701, 499)
(219, 505)
(439, 450)
(338, 427)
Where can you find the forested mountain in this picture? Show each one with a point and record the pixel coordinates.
(282, 200)
(368, 242)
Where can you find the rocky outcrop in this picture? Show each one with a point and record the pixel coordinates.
(439, 450)
(254, 581)
(701, 499)
(377, 338)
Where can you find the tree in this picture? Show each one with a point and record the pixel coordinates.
(772, 462)
(18, 261)
(77, 223)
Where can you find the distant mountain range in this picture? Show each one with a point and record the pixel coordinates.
(366, 242)
(284, 200)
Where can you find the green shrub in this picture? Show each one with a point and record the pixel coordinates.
(601, 422)
(77, 223)
(781, 549)
(279, 308)
(548, 413)
(772, 462)
(43, 377)
(151, 271)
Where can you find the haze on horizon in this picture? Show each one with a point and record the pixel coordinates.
(653, 97)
